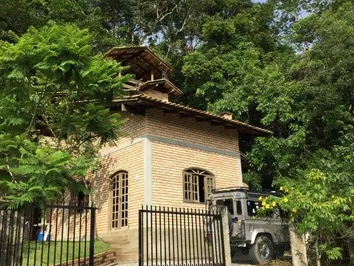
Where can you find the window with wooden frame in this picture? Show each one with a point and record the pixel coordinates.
(197, 185)
(119, 216)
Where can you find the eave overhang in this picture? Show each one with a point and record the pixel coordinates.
(142, 102)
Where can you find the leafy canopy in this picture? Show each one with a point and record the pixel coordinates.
(54, 111)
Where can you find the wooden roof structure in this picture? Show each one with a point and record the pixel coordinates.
(162, 85)
(150, 73)
(138, 104)
(142, 61)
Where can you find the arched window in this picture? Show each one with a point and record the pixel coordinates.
(119, 199)
(197, 185)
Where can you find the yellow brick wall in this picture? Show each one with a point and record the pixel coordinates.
(134, 127)
(168, 163)
(187, 129)
(128, 159)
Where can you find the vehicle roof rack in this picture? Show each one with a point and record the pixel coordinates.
(248, 191)
(267, 192)
(229, 189)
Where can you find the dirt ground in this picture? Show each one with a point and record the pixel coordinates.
(287, 262)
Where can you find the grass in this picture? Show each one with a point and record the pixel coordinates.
(46, 252)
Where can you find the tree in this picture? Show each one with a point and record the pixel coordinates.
(321, 179)
(17, 16)
(54, 111)
(235, 41)
(240, 68)
(303, 92)
(320, 203)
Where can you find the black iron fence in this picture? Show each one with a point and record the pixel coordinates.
(180, 237)
(51, 235)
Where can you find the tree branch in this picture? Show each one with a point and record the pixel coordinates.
(35, 111)
(168, 13)
(186, 17)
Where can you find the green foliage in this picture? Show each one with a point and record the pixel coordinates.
(39, 173)
(53, 114)
(302, 90)
(332, 253)
(17, 16)
(283, 65)
(320, 202)
(305, 98)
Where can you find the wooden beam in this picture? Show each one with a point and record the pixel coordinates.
(123, 107)
(133, 109)
(134, 81)
(129, 87)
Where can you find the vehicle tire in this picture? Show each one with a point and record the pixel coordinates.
(262, 251)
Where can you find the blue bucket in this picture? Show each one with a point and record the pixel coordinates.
(41, 237)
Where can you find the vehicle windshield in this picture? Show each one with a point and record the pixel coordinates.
(252, 207)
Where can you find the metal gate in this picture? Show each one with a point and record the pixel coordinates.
(51, 235)
(180, 237)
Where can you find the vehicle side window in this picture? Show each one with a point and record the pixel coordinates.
(228, 203)
(238, 207)
(252, 207)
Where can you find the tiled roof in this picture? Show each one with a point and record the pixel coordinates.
(162, 84)
(243, 128)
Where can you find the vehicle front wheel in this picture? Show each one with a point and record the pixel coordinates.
(262, 251)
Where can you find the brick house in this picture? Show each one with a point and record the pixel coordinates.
(168, 154)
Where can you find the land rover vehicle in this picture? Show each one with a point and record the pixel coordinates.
(261, 238)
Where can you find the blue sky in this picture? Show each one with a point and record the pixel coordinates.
(259, 1)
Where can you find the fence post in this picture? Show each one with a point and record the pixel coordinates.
(140, 237)
(92, 235)
(226, 236)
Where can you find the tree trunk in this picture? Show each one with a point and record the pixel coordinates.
(318, 257)
(298, 247)
(350, 242)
